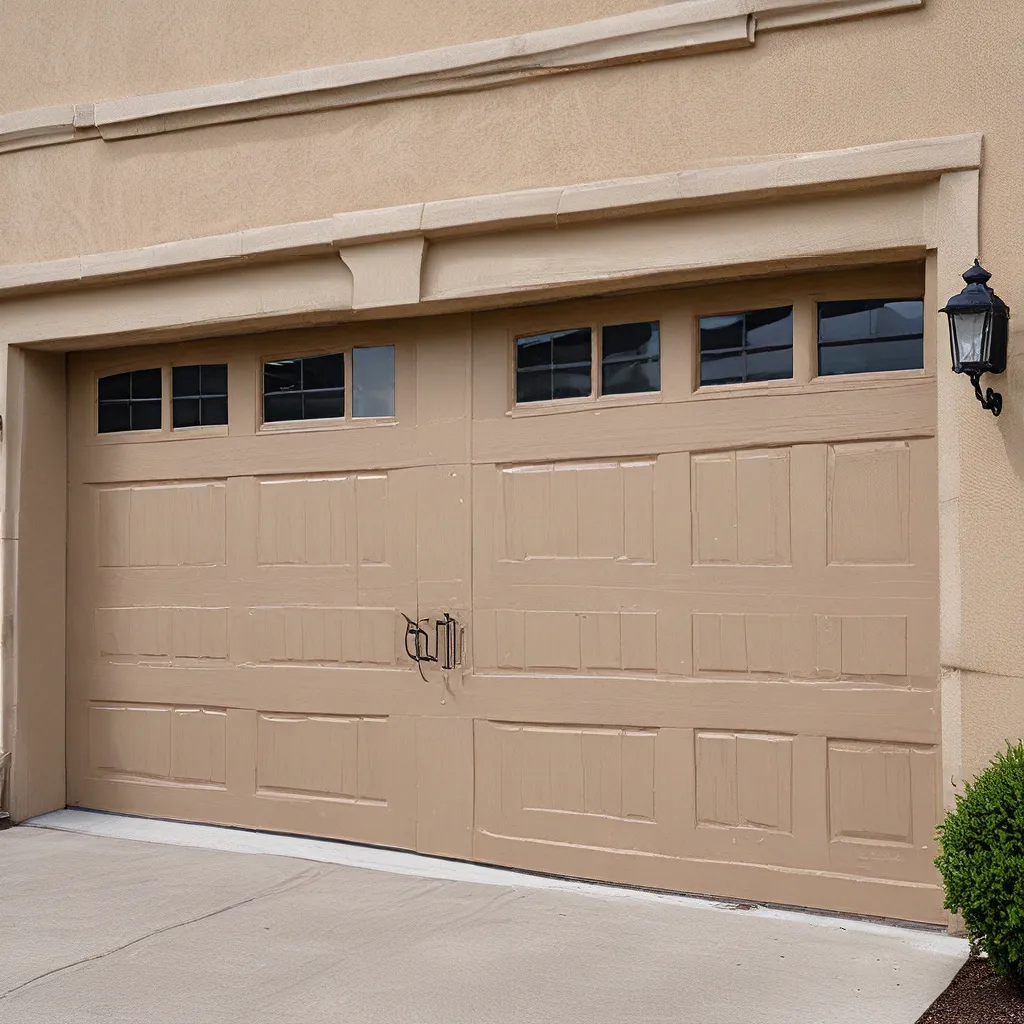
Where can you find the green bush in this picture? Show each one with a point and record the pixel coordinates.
(982, 862)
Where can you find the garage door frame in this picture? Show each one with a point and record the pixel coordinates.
(934, 192)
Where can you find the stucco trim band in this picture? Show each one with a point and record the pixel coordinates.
(557, 206)
(671, 30)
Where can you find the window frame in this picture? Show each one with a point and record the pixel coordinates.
(199, 428)
(267, 354)
(927, 367)
(702, 388)
(564, 320)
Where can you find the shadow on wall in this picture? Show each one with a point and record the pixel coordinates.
(1011, 420)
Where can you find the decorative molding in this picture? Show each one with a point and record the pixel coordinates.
(672, 30)
(47, 126)
(869, 204)
(889, 163)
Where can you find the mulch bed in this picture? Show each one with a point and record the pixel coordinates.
(977, 996)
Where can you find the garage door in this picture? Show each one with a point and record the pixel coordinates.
(641, 589)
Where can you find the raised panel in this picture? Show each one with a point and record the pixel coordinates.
(146, 632)
(740, 511)
(568, 770)
(590, 510)
(744, 780)
(869, 503)
(305, 521)
(323, 635)
(372, 512)
(322, 756)
(801, 646)
(158, 525)
(870, 795)
(567, 641)
(132, 741)
(198, 745)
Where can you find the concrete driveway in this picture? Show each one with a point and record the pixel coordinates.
(94, 928)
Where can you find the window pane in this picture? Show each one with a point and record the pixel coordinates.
(323, 372)
(282, 375)
(770, 365)
(630, 359)
(870, 335)
(753, 346)
(554, 365)
(534, 385)
(373, 381)
(631, 378)
(115, 386)
(285, 406)
(146, 383)
(721, 332)
(146, 414)
(184, 381)
(534, 351)
(570, 383)
(721, 368)
(770, 327)
(214, 411)
(321, 405)
(571, 348)
(214, 377)
(114, 417)
(870, 356)
(186, 412)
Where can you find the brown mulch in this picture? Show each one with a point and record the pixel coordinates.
(977, 996)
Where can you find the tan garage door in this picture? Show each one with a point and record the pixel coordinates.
(690, 534)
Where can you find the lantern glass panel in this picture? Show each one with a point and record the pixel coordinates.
(970, 337)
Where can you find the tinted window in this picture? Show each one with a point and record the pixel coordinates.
(630, 358)
(554, 365)
(373, 381)
(304, 389)
(868, 335)
(199, 395)
(129, 401)
(752, 346)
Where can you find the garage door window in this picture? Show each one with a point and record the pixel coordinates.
(870, 335)
(554, 365)
(199, 395)
(129, 401)
(373, 381)
(753, 346)
(631, 358)
(560, 364)
(312, 388)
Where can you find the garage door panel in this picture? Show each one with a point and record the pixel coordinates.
(709, 422)
(307, 689)
(274, 449)
(858, 710)
(589, 786)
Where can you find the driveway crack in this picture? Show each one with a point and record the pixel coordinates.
(304, 877)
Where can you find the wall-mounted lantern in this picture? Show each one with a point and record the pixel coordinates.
(978, 329)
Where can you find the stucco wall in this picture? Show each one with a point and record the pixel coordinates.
(815, 88)
(98, 49)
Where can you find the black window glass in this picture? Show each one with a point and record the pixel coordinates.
(870, 335)
(311, 388)
(373, 381)
(129, 401)
(553, 365)
(630, 358)
(199, 395)
(752, 346)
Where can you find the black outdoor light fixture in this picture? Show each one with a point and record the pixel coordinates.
(978, 327)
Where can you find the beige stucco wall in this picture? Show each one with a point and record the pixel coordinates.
(97, 49)
(809, 89)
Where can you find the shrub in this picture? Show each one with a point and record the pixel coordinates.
(982, 862)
